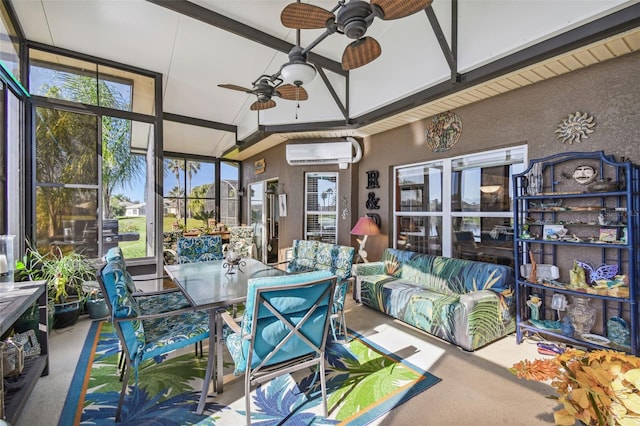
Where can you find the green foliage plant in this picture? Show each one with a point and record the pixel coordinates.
(64, 273)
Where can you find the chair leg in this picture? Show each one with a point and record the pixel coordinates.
(323, 386)
(123, 392)
(247, 395)
(121, 364)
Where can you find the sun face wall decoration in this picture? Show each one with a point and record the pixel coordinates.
(444, 131)
(575, 128)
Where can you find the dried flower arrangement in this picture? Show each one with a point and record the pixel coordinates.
(596, 388)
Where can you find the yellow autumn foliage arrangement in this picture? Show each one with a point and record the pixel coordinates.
(596, 388)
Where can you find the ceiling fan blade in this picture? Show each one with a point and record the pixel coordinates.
(304, 16)
(396, 9)
(259, 106)
(235, 87)
(292, 93)
(360, 52)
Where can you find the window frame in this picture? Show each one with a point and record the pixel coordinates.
(446, 213)
(311, 234)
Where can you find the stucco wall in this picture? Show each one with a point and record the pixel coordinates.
(609, 91)
(291, 182)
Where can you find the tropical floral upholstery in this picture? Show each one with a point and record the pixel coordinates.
(266, 342)
(199, 249)
(318, 256)
(467, 303)
(240, 241)
(146, 336)
(148, 302)
(169, 246)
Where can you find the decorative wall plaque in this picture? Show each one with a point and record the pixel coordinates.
(575, 128)
(444, 131)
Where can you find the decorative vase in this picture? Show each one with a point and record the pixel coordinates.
(583, 315)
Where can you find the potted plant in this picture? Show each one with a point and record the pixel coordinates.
(96, 305)
(65, 275)
(594, 388)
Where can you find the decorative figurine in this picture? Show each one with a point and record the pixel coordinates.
(534, 303)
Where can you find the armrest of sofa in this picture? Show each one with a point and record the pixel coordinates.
(370, 268)
(470, 300)
(360, 270)
(505, 305)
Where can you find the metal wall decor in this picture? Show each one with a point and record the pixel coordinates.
(575, 128)
(444, 131)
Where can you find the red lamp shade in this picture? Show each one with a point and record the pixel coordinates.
(365, 226)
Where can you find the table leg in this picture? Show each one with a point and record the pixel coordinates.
(210, 362)
(219, 348)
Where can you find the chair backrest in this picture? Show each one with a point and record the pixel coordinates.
(275, 306)
(303, 256)
(318, 256)
(114, 284)
(199, 249)
(241, 240)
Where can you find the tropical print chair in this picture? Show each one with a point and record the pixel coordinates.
(241, 241)
(284, 329)
(152, 302)
(199, 249)
(146, 336)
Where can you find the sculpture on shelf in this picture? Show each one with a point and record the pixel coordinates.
(534, 303)
(533, 275)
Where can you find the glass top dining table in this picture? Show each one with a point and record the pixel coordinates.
(208, 285)
(212, 286)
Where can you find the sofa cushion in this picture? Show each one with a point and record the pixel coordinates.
(449, 275)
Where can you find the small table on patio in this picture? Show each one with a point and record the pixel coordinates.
(208, 286)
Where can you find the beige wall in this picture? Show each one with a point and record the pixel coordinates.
(291, 182)
(609, 91)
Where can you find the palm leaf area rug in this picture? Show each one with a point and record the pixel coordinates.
(364, 381)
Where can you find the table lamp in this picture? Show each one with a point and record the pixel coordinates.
(365, 226)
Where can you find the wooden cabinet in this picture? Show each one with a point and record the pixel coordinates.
(564, 218)
(12, 306)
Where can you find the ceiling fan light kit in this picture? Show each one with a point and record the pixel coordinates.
(297, 71)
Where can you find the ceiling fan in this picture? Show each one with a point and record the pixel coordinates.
(268, 86)
(352, 19)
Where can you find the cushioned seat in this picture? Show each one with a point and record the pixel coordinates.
(284, 329)
(145, 336)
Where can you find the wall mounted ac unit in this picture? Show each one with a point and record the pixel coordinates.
(341, 153)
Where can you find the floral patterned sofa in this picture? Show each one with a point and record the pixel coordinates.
(465, 302)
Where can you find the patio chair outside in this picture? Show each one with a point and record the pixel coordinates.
(284, 329)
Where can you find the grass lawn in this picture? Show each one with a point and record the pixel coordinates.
(137, 249)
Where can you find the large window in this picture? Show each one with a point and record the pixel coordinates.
(459, 207)
(94, 165)
(321, 208)
(190, 197)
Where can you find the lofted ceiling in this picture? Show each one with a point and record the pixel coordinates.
(454, 53)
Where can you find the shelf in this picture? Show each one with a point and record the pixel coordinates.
(579, 342)
(563, 198)
(602, 245)
(17, 389)
(12, 306)
(569, 291)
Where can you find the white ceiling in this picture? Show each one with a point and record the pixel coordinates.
(195, 56)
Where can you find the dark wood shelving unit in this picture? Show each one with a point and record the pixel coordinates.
(12, 305)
